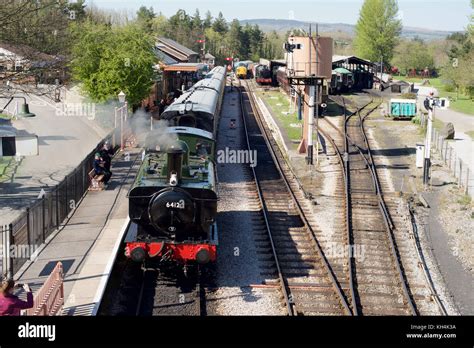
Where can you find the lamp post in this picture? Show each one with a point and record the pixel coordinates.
(25, 109)
(123, 100)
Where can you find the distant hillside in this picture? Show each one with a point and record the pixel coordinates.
(283, 25)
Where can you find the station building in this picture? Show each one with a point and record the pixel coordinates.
(178, 68)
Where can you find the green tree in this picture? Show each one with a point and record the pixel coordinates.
(36, 28)
(461, 51)
(180, 29)
(461, 45)
(197, 21)
(471, 24)
(220, 24)
(207, 20)
(159, 25)
(461, 75)
(145, 18)
(79, 8)
(256, 38)
(40, 25)
(197, 32)
(377, 30)
(107, 60)
(234, 39)
(273, 46)
(216, 45)
(413, 54)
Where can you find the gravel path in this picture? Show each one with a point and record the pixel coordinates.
(398, 138)
(238, 266)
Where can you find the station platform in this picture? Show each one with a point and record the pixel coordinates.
(88, 242)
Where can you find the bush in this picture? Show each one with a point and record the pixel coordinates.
(470, 92)
(450, 88)
(416, 119)
(408, 96)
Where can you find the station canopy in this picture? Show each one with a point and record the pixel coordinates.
(185, 67)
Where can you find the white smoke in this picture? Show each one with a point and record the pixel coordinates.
(150, 133)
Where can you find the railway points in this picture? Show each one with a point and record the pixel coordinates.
(423, 293)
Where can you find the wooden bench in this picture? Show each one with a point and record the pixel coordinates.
(130, 141)
(97, 181)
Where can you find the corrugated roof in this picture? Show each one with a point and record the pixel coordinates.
(176, 46)
(164, 58)
(172, 53)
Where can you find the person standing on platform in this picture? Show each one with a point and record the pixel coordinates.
(11, 305)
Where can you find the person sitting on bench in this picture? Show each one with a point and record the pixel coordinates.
(106, 154)
(99, 168)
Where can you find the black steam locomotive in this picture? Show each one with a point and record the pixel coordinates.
(173, 202)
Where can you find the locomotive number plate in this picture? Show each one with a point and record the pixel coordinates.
(176, 205)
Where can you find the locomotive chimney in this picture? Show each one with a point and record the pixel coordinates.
(177, 156)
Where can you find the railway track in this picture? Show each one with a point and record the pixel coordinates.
(371, 228)
(378, 281)
(155, 290)
(169, 292)
(288, 243)
(379, 274)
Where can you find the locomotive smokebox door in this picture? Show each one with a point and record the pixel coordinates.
(172, 212)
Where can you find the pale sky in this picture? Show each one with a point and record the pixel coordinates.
(430, 14)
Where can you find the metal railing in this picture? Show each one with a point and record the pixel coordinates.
(456, 165)
(49, 300)
(22, 237)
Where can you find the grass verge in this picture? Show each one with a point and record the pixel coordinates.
(459, 101)
(279, 103)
